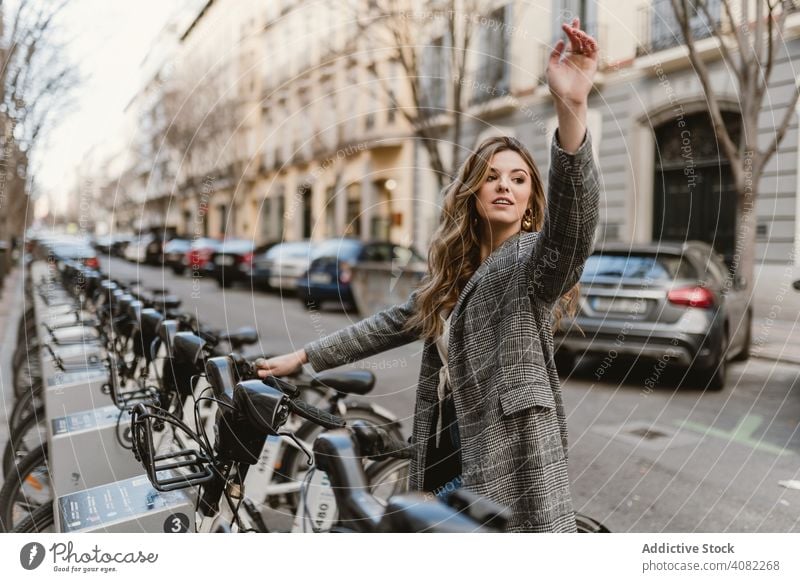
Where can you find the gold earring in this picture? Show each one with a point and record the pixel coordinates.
(527, 219)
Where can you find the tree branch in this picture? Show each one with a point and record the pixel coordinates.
(681, 12)
(741, 42)
(717, 32)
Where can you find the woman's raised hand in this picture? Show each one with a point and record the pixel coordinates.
(571, 70)
(286, 365)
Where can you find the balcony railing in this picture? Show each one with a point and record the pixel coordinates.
(659, 29)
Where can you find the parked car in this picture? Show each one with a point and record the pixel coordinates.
(330, 272)
(282, 265)
(198, 259)
(136, 251)
(103, 243)
(120, 243)
(673, 302)
(68, 248)
(232, 262)
(175, 254)
(154, 251)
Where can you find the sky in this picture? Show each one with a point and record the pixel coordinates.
(109, 40)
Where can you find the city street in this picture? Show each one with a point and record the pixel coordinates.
(642, 460)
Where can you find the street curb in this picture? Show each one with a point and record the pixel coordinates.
(781, 359)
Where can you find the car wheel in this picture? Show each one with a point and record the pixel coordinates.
(713, 377)
(310, 304)
(744, 353)
(178, 270)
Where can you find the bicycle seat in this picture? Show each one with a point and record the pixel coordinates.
(357, 382)
(244, 336)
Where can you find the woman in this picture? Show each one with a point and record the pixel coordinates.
(489, 414)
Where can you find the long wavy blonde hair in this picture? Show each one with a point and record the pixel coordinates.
(454, 253)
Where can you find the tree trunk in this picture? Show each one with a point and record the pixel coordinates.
(747, 220)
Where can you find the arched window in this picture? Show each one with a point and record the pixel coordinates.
(694, 194)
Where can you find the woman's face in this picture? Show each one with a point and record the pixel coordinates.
(504, 195)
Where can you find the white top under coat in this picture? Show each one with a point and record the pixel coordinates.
(444, 377)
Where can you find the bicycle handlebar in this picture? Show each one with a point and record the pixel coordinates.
(316, 415)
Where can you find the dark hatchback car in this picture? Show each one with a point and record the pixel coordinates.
(154, 252)
(232, 262)
(674, 302)
(330, 273)
(175, 254)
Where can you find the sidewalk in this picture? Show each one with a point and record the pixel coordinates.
(776, 314)
(776, 340)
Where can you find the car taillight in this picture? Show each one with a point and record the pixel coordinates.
(92, 263)
(345, 273)
(247, 258)
(691, 297)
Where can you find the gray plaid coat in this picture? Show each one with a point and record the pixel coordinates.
(505, 386)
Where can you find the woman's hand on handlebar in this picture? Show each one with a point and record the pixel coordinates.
(286, 365)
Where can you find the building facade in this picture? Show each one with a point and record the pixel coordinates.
(285, 120)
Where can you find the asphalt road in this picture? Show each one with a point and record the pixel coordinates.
(642, 459)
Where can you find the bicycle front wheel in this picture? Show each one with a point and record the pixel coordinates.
(42, 520)
(25, 489)
(388, 477)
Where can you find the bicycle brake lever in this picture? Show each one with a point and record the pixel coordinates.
(301, 446)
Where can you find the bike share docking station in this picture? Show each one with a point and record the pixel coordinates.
(96, 481)
(76, 390)
(125, 506)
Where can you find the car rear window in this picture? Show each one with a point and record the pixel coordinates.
(204, 242)
(177, 244)
(237, 246)
(345, 250)
(631, 266)
(294, 250)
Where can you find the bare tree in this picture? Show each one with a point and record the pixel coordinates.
(748, 47)
(432, 43)
(35, 86)
(200, 121)
(201, 118)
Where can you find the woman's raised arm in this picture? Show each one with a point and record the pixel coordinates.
(566, 238)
